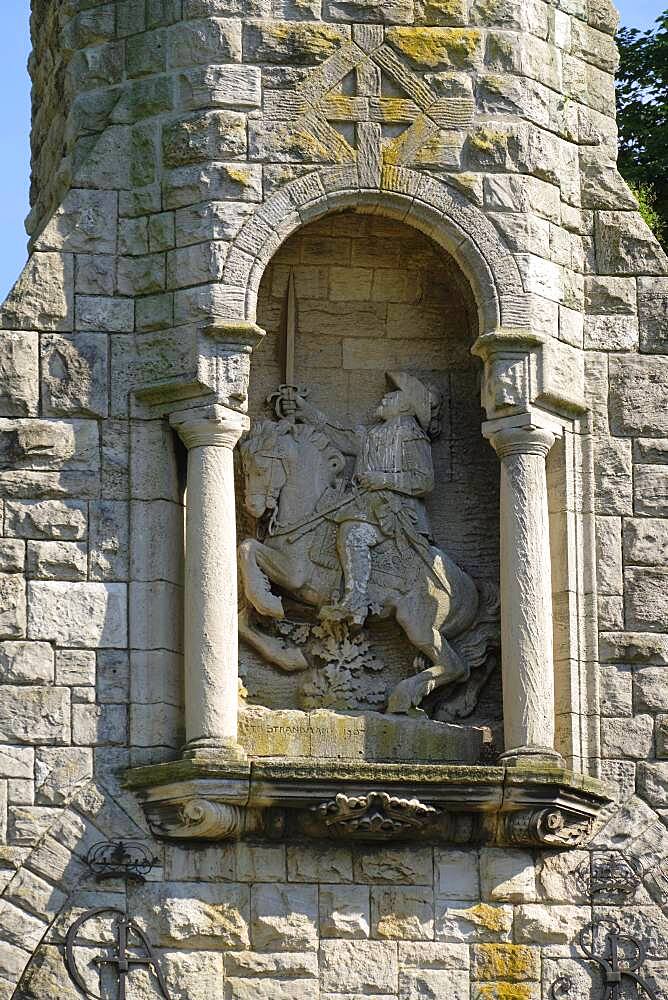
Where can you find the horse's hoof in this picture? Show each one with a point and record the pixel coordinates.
(270, 607)
(291, 661)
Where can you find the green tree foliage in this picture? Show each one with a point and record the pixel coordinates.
(642, 111)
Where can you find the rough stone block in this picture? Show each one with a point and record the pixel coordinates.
(653, 314)
(212, 135)
(616, 691)
(157, 616)
(438, 49)
(12, 606)
(46, 519)
(317, 863)
(78, 614)
(537, 924)
(344, 911)
(650, 490)
(196, 264)
(216, 220)
(57, 560)
(17, 763)
(60, 773)
(157, 725)
(607, 296)
(394, 12)
(209, 40)
(290, 42)
(284, 917)
(507, 876)
(74, 375)
(625, 245)
(26, 663)
(628, 738)
(220, 86)
(559, 876)
(612, 472)
(639, 396)
(19, 374)
(111, 315)
(402, 913)
(463, 922)
(197, 915)
(609, 555)
(240, 182)
(48, 444)
(653, 784)
(43, 296)
(109, 540)
(394, 864)
(12, 555)
(450, 983)
(645, 541)
(141, 275)
(85, 222)
(507, 962)
(34, 715)
(75, 667)
(457, 875)
(366, 967)
(646, 598)
(650, 689)
(99, 725)
(611, 333)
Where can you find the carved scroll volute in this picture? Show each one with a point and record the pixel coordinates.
(551, 827)
(205, 819)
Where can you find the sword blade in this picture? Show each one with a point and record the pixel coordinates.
(290, 330)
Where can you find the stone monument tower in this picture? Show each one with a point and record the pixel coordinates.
(334, 435)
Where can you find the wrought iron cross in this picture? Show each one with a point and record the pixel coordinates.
(123, 959)
(619, 956)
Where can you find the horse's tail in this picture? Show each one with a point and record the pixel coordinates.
(484, 633)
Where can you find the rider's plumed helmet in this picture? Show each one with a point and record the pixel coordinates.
(425, 400)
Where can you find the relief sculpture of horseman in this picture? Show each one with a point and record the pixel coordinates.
(354, 543)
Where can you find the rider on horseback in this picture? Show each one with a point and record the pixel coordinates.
(393, 472)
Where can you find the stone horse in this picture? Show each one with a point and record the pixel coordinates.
(293, 484)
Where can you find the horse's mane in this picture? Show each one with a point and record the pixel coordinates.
(265, 435)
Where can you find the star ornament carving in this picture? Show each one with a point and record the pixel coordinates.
(365, 104)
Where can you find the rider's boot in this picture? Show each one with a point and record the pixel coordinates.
(355, 554)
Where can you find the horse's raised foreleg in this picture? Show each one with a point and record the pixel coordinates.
(258, 565)
(447, 667)
(273, 649)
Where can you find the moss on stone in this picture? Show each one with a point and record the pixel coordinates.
(486, 140)
(438, 48)
(506, 991)
(505, 962)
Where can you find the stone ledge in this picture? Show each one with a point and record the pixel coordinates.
(208, 799)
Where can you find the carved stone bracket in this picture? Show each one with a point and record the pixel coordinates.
(525, 370)
(374, 816)
(211, 800)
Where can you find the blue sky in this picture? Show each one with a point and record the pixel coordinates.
(15, 160)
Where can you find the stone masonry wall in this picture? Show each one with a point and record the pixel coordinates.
(160, 127)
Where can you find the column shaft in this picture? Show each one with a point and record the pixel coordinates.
(211, 625)
(526, 593)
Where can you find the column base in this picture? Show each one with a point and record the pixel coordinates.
(531, 755)
(219, 750)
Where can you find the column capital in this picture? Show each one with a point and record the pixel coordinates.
(211, 426)
(528, 439)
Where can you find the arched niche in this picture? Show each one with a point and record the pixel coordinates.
(375, 294)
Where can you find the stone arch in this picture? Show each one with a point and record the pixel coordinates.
(420, 200)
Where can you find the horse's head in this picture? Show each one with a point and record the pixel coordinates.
(263, 466)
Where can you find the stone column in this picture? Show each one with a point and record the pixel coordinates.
(526, 592)
(211, 629)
